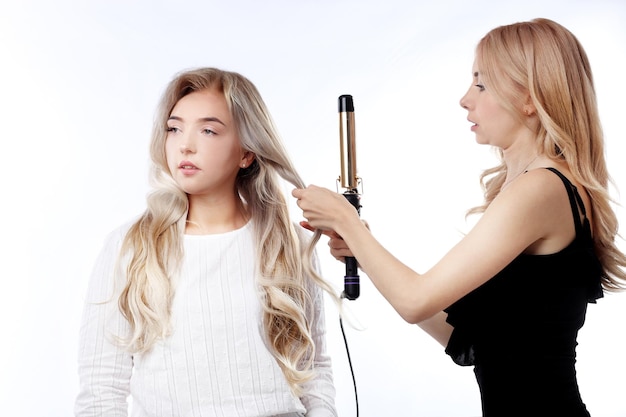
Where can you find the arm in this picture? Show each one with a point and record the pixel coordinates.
(104, 369)
(436, 326)
(319, 392)
(531, 211)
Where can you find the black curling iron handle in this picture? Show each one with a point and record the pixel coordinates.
(351, 282)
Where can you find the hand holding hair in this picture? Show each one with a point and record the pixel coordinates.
(338, 247)
(325, 209)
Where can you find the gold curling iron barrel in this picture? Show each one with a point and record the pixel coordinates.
(349, 181)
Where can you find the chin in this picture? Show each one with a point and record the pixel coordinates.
(481, 141)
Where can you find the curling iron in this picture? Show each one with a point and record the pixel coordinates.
(349, 181)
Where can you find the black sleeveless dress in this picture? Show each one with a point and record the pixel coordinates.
(519, 329)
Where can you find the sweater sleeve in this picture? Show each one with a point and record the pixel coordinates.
(104, 369)
(319, 392)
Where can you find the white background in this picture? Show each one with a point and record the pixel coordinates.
(79, 84)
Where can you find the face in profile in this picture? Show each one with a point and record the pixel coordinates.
(203, 149)
(492, 123)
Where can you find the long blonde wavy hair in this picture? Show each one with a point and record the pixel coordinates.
(545, 60)
(153, 244)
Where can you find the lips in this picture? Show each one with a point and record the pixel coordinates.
(187, 168)
(185, 165)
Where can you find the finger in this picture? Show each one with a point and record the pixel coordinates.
(336, 242)
(340, 255)
(307, 225)
(331, 234)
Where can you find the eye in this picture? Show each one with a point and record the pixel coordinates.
(173, 129)
(208, 131)
(480, 87)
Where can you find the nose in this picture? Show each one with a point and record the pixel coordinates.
(465, 101)
(186, 144)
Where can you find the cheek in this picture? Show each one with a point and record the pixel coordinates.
(170, 153)
(489, 109)
(225, 152)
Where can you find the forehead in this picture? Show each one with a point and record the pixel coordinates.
(202, 103)
(475, 71)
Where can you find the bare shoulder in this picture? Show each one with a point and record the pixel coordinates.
(539, 184)
(540, 198)
(528, 216)
(530, 196)
(521, 219)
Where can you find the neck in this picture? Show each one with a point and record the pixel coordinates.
(518, 168)
(211, 216)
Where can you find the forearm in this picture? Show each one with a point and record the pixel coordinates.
(400, 285)
(104, 369)
(319, 393)
(438, 328)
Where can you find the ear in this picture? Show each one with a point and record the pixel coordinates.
(246, 159)
(529, 108)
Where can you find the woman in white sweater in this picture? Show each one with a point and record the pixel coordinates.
(211, 302)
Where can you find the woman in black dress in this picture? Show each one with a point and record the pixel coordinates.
(510, 297)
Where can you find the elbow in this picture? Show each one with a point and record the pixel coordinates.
(410, 318)
(415, 313)
(413, 318)
(416, 301)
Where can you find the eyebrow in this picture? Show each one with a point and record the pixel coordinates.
(475, 74)
(202, 119)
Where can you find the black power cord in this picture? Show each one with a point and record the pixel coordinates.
(345, 341)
